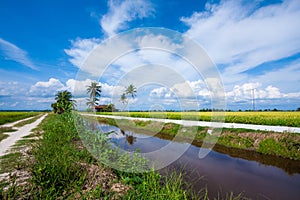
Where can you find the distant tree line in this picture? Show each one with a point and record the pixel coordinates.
(66, 103)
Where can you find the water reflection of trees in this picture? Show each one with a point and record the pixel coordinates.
(91, 124)
(129, 137)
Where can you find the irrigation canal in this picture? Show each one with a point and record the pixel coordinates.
(223, 169)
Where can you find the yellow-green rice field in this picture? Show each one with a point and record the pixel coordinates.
(263, 118)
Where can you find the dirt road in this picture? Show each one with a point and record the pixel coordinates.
(7, 143)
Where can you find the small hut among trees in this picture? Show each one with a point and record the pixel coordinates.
(106, 108)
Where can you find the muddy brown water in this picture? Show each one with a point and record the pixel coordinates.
(224, 169)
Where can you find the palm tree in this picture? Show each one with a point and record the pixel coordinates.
(54, 107)
(64, 102)
(124, 101)
(131, 90)
(95, 92)
(123, 98)
(91, 105)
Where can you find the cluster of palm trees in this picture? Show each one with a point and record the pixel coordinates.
(65, 103)
(94, 90)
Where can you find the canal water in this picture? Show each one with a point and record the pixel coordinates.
(223, 170)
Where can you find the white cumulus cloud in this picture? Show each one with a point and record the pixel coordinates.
(46, 88)
(247, 91)
(80, 49)
(242, 36)
(187, 89)
(122, 12)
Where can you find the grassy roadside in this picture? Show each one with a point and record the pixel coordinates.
(14, 170)
(4, 130)
(60, 167)
(291, 119)
(28, 121)
(286, 145)
(8, 117)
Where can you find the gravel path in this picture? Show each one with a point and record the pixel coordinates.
(210, 124)
(7, 143)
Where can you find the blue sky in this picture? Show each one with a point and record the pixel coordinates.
(255, 45)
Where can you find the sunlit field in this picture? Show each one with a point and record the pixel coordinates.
(7, 117)
(263, 118)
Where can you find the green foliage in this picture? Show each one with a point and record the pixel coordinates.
(64, 102)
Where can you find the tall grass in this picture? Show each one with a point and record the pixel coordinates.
(56, 168)
(154, 186)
